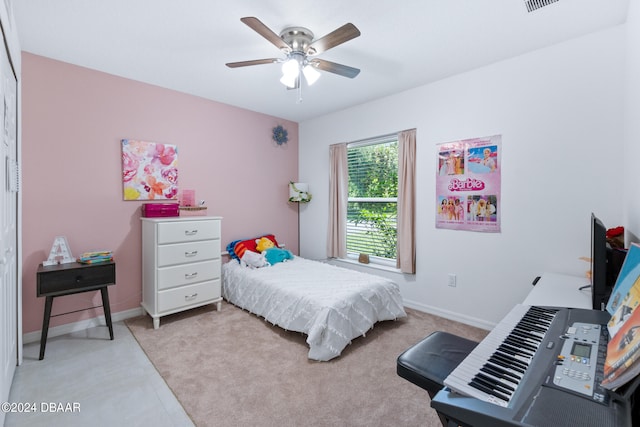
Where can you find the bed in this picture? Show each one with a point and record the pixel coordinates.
(330, 304)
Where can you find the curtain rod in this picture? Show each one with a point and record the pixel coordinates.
(376, 139)
(372, 140)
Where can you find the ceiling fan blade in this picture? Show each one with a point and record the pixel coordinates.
(333, 39)
(332, 67)
(253, 62)
(256, 25)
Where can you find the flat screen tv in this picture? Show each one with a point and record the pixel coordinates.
(600, 288)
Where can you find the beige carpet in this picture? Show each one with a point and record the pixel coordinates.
(231, 368)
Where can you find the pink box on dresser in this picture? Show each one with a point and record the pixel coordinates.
(158, 210)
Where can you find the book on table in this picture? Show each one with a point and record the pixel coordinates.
(95, 257)
(623, 350)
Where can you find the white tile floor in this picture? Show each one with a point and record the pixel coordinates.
(112, 382)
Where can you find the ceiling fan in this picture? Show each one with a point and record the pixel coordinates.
(300, 48)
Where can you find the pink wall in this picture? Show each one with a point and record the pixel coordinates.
(73, 120)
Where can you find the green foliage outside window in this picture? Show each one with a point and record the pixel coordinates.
(372, 207)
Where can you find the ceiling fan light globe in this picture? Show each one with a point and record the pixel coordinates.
(291, 69)
(310, 74)
(288, 81)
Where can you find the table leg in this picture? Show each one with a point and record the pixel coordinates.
(45, 325)
(107, 309)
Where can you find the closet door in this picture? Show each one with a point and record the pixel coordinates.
(8, 227)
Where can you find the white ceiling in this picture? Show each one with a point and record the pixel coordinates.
(184, 45)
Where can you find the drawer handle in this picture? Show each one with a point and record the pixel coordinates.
(78, 279)
(190, 297)
(190, 254)
(191, 275)
(191, 232)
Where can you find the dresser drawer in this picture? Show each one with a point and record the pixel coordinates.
(169, 277)
(172, 299)
(188, 231)
(181, 253)
(58, 279)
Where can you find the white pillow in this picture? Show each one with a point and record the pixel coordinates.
(253, 259)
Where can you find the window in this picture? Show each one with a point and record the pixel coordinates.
(373, 198)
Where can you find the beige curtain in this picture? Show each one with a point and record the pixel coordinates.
(338, 196)
(406, 256)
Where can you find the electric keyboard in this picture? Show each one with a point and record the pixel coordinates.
(520, 375)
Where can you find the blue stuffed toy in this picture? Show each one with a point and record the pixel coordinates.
(276, 255)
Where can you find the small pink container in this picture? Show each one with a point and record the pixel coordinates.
(188, 198)
(155, 210)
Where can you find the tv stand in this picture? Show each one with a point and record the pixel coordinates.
(560, 290)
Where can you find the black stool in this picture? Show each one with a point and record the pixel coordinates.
(429, 362)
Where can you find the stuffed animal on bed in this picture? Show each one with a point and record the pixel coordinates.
(253, 259)
(262, 244)
(276, 255)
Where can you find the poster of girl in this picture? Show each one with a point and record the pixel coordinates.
(482, 208)
(451, 162)
(483, 159)
(450, 209)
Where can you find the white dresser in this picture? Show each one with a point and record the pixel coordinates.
(180, 264)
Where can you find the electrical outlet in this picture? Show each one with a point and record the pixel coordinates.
(452, 280)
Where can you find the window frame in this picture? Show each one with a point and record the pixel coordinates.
(385, 139)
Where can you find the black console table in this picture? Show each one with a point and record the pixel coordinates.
(73, 278)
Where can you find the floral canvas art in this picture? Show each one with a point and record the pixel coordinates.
(149, 170)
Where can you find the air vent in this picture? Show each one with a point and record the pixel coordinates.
(537, 4)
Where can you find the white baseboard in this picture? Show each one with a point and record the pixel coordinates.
(81, 325)
(468, 320)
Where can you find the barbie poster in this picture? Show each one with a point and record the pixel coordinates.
(468, 185)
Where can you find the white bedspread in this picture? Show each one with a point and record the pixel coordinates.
(332, 305)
